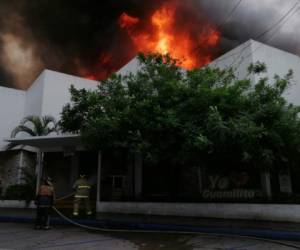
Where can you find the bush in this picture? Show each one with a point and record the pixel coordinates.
(19, 192)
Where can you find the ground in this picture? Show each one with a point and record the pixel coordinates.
(23, 237)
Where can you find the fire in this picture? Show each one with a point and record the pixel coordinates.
(172, 29)
(91, 77)
(162, 20)
(165, 36)
(101, 70)
(126, 21)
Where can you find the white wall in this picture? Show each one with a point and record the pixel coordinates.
(131, 67)
(56, 91)
(278, 62)
(12, 103)
(266, 212)
(239, 59)
(34, 97)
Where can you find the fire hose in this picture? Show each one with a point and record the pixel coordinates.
(107, 230)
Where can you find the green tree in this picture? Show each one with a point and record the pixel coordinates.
(36, 126)
(33, 126)
(189, 118)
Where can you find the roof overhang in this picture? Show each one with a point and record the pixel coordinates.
(50, 142)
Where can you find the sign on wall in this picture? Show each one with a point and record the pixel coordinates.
(235, 185)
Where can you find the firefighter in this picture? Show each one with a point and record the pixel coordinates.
(82, 194)
(44, 201)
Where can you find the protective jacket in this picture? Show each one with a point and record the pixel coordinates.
(82, 188)
(45, 197)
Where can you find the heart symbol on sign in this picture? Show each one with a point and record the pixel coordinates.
(239, 179)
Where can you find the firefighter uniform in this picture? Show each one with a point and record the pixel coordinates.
(82, 194)
(44, 202)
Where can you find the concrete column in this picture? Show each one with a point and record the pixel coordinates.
(130, 178)
(200, 182)
(39, 169)
(285, 181)
(266, 183)
(20, 169)
(98, 199)
(138, 175)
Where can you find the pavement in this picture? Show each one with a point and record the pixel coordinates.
(21, 236)
(251, 228)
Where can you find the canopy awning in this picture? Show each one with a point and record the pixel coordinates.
(49, 142)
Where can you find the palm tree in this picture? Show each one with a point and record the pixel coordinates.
(36, 126)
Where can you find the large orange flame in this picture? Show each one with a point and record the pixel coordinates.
(164, 37)
(171, 29)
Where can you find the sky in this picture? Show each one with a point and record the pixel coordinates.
(84, 37)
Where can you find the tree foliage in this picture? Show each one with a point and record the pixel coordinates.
(34, 126)
(204, 116)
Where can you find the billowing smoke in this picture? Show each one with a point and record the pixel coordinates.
(85, 37)
(19, 57)
(277, 20)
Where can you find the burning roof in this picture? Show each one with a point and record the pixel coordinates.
(167, 30)
(94, 38)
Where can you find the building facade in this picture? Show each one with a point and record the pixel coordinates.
(47, 95)
(50, 92)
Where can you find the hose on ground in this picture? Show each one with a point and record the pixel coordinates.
(107, 230)
(65, 197)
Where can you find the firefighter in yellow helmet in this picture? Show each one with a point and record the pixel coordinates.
(82, 194)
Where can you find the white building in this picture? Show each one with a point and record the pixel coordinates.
(50, 92)
(47, 95)
(277, 61)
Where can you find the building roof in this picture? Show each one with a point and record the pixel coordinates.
(50, 91)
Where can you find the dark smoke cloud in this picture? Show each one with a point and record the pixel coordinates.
(251, 18)
(75, 36)
(69, 36)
